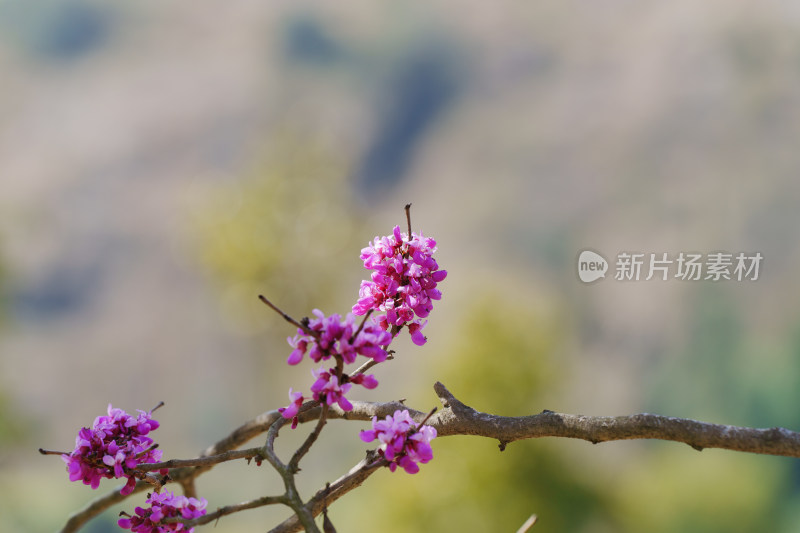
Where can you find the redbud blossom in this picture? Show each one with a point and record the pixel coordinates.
(115, 445)
(366, 381)
(335, 338)
(328, 390)
(403, 282)
(402, 442)
(164, 505)
(293, 408)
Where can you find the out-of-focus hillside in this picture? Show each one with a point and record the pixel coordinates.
(162, 164)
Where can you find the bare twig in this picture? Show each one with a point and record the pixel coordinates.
(369, 364)
(228, 509)
(361, 326)
(51, 452)
(288, 318)
(208, 460)
(310, 440)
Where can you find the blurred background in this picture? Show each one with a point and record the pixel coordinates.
(163, 164)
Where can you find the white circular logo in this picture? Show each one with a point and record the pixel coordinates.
(591, 266)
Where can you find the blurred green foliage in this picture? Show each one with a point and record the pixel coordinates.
(733, 382)
(673, 488)
(12, 427)
(288, 231)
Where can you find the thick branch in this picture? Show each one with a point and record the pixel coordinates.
(459, 419)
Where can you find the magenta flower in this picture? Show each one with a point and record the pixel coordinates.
(403, 283)
(293, 408)
(401, 441)
(162, 506)
(115, 445)
(326, 389)
(366, 381)
(340, 339)
(299, 346)
(335, 337)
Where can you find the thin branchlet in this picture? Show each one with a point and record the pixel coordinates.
(361, 326)
(289, 319)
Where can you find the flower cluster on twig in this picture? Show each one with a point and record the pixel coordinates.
(403, 283)
(162, 507)
(404, 443)
(114, 446)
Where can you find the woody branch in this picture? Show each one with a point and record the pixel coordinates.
(459, 419)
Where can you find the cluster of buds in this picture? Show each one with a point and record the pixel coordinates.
(161, 507)
(112, 448)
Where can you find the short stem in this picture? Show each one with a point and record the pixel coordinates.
(160, 404)
(287, 318)
(51, 452)
(427, 417)
(361, 326)
(228, 509)
(369, 364)
(408, 219)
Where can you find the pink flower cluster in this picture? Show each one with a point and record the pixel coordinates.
(403, 443)
(116, 444)
(164, 505)
(334, 337)
(403, 281)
